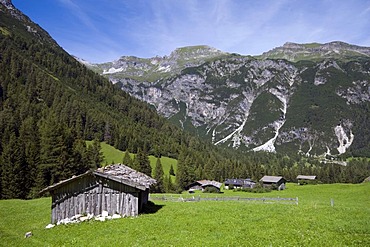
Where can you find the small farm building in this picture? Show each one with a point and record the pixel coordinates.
(305, 179)
(203, 185)
(239, 183)
(116, 189)
(273, 181)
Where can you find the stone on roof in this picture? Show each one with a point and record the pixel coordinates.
(209, 182)
(126, 173)
(118, 172)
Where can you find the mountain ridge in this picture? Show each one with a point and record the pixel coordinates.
(295, 52)
(205, 95)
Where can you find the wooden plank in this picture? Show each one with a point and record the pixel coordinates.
(135, 206)
(122, 201)
(117, 203)
(126, 207)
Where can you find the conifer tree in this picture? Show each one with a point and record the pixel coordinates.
(143, 163)
(95, 154)
(135, 163)
(127, 159)
(14, 169)
(158, 175)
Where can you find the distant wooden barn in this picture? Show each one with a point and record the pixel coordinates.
(203, 185)
(273, 181)
(239, 183)
(306, 179)
(116, 189)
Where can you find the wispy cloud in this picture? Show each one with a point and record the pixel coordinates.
(79, 12)
(102, 30)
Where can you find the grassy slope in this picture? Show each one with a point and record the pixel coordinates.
(312, 223)
(114, 156)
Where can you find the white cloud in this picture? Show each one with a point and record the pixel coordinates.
(157, 27)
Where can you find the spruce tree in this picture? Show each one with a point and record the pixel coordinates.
(14, 170)
(158, 175)
(143, 163)
(95, 154)
(127, 159)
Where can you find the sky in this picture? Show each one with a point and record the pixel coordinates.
(104, 30)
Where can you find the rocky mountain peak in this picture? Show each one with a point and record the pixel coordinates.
(315, 51)
(7, 3)
(155, 68)
(196, 51)
(291, 45)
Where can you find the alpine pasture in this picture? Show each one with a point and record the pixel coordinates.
(326, 215)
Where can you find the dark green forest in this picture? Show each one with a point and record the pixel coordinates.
(50, 105)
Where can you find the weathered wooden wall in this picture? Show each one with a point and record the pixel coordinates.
(91, 194)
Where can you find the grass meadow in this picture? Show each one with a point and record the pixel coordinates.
(114, 156)
(313, 222)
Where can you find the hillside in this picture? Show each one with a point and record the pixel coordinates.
(50, 104)
(312, 99)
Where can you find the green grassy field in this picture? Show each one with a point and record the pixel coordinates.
(314, 222)
(114, 156)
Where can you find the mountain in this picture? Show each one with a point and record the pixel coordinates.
(155, 68)
(299, 98)
(51, 104)
(315, 52)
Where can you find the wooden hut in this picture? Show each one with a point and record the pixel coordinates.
(306, 179)
(203, 185)
(273, 181)
(236, 183)
(116, 189)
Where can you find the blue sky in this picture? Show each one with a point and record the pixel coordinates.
(104, 30)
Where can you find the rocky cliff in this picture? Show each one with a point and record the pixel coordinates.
(316, 104)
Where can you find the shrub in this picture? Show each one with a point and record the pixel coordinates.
(258, 188)
(211, 190)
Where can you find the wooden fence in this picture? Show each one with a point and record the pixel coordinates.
(198, 198)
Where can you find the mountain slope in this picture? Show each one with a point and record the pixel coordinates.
(50, 104)
(316, 107)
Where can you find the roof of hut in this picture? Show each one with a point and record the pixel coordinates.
(239, 181)
(118, 172)
(209, 182)
(306, 177)
(271, 179)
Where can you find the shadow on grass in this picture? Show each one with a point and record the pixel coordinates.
(151, 208)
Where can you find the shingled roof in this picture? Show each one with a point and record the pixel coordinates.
(306, 177)
(271, 179)
(118, 172)
(209, 182)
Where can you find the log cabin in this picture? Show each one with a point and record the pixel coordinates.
(117, 189)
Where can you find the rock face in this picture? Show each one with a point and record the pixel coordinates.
(315, 51)
(312, 107)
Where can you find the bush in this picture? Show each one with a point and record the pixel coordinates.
(211, 190)
(303, 182)
(258, 188)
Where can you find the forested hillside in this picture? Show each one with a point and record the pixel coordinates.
(50, 105)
